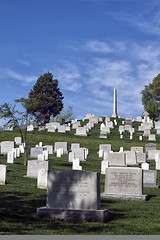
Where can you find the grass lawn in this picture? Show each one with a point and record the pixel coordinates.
(20, 198)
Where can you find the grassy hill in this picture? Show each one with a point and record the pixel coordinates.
(20, 198)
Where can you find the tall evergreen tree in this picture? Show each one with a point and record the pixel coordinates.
(45, 100)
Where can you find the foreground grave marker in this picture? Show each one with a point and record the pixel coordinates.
(74, 195)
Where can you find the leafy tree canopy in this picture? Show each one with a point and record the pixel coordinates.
(66, 114)
(151, 98)
(45, 100)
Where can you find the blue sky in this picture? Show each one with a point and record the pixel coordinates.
(90, 46)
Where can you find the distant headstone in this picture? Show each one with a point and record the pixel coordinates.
(152, 154)
(81, 131)
(149, 178)
(42, 178)
(150, 146)
(74, 196)
(59, 152)
(145, 166)
(76, 164)
(79, 153)
(3, 174)
(137, 149)
(49, 148)
(41, 157)
(157, 160)
(62, 129)
(100, 153)
(63, 145)
(130, 157)
(146, 132)
(75, 145)
(71, 156)
(30, 128)
(36, 151)
(116, 159)
(7, 146)
(10, 157)
(105, 147)
(104, 165)
(103, 135)
(34, 165)
(152, 137)
(124, 183)
(140, 157)
(18, 140)
(139, 119)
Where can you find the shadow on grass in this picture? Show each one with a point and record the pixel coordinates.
(114, 213)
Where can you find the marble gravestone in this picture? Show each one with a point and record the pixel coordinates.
(74, 196)
(124, 183)
(79, 153)
(36, 151)
(63, 145)
(33, 167)
(7, 146)
(3, 174)
(81, 131)
(150, 146)
(116, 159)
(18, 140)
(42, 178)
(150, 178)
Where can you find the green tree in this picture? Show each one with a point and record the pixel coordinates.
(19, 120)
(66, 114)
(151, 98)
(45, 100)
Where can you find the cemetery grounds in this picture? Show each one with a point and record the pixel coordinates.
(20, 197)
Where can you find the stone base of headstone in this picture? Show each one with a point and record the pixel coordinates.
(126, 197)
(82, 135)
(73, 215)
(103, 135)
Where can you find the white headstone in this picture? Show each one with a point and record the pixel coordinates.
(104, 165)
(145, 166)
(10, 157)
(3, 174)
(42, 178)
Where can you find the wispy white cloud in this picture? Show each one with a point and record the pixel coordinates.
(97, 47)
(127, 70)
(19, 77)
(24, 63)
(69, 76)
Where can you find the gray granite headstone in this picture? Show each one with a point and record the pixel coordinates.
(73, 195)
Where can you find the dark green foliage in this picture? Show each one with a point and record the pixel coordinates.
(45, 100)
(151, 98)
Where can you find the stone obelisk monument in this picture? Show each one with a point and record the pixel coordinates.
(115, 104)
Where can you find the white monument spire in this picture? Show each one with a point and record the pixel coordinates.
(115, 104)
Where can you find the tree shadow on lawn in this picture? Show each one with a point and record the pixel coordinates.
(115, 213)
(16, 212)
